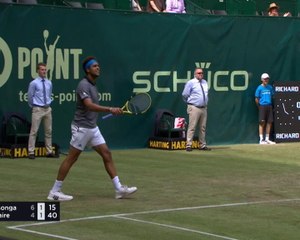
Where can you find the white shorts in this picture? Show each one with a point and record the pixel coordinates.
(82, 137)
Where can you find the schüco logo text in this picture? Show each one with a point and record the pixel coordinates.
(168, 81)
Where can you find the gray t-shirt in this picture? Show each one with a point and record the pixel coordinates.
(83, 117)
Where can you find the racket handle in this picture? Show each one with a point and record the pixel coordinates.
(107, 116)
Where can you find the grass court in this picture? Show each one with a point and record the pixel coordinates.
(234, 192)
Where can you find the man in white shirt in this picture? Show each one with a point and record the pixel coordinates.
(195, 94)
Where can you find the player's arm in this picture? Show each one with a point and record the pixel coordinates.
(98, 108)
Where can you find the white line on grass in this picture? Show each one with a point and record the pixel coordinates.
(123, 215)
(41, 233)
(178, 228)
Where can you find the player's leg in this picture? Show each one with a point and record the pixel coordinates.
(100, 146)
(68, 162)
(106, 155)
(121, 191)
(80, 137)
(56, 193)
(108, 162)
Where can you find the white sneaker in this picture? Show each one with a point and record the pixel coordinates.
(125, 191)
(59, 196)
(270, 142)
(263, 142)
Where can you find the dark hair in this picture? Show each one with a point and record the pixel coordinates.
(39, 65)
(85, 61)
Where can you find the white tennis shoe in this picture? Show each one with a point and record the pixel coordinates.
(125, 191)
(270, 142)
(59, 196)
(263, 142)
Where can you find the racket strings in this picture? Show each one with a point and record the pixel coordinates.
(139, 103)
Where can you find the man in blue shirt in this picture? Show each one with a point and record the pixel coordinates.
(39, 99)
(195, 94)
(263, 99)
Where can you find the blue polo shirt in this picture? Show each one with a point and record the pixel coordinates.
(264, 94)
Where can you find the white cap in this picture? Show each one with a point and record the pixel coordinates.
(264, 76)
(273, 5)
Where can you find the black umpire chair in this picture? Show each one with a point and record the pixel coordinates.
(164, 125)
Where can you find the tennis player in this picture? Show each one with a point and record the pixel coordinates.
(85, 132)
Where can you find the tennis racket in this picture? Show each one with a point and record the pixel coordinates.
(137, 104)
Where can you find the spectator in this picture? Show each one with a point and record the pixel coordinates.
(175, 6)
(39, 99)
(156, 6)
(273, 11)
(263, 99)
(136, 6)
(195, 94)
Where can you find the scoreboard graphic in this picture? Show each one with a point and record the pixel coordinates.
(29, 211)
(287, 111)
